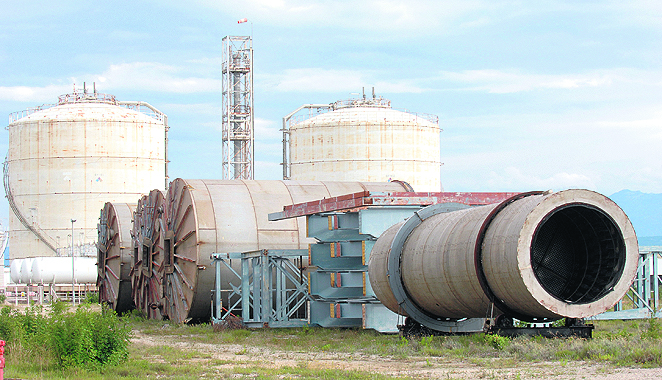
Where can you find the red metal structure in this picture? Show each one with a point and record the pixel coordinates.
(367, 198)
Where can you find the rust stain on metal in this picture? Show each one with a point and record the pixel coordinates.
(365, 198)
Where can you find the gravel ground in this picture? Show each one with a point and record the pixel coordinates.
(418, 368)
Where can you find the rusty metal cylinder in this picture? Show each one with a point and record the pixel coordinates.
(228, 216)
(115, 255)
(537, 255)
(147, 266)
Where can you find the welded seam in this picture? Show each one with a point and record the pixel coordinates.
(478, 257)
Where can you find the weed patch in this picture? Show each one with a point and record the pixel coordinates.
(38, 340)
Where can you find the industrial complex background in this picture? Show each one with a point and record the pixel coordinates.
(357, 233)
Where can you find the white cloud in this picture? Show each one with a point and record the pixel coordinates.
(501, 82)
(387, 17)
(331, 80)
(154, 76)
(208, 109)
(266, 130)
(514, 178)
(47, 94)
(146, 76)
(605, 149)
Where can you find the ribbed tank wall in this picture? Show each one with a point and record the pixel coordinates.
(65, 162)
(372, 144)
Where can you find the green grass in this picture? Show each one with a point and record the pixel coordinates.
(622, 343)
(615, 344)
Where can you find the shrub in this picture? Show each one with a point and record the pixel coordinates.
(654, 330)
(497, 341)
(85, 338)
(91, 298)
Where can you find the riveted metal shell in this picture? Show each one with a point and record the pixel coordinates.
(372, 144)
(228, 216)
(115, 255)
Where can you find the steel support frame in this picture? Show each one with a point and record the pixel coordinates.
(340, 287)
(644, 292)
(237, 111)
(271, 293)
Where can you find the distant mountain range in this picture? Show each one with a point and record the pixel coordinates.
(645, 212)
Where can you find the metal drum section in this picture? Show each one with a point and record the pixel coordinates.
(66, 161)
(567, 254)
(366, 140)
(226, 216)
(147, 271)
(115, 255)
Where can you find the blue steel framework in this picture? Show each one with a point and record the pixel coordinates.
(272, 291)
(644, 294)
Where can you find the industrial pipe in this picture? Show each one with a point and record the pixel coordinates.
(536, 255)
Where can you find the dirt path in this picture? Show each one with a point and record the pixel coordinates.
(420, 368)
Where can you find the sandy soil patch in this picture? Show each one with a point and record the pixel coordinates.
(419, 368)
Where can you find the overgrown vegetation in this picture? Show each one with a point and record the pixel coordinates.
(615, 343)
(58, 339)
(623, 343)
(91, 298)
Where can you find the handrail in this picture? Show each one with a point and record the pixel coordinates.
(19, 215)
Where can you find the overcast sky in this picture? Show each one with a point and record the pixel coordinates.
(530, 95)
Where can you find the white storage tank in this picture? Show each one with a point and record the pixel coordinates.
(57, 270)
(26, 271)
(366, 140)
(66, 161)
(15, 271)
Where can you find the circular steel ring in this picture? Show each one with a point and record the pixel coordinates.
(395, 275)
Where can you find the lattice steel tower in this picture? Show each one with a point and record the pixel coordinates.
(238, 117)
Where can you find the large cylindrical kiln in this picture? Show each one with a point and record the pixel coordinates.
(66, 161)
(228, 216)
(366, 140)
(115, 255)
(567, 254)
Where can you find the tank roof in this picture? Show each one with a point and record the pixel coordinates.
(362, 102)
(365, 113)
(95, 104)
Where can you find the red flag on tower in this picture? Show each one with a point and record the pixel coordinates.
(243, 20)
